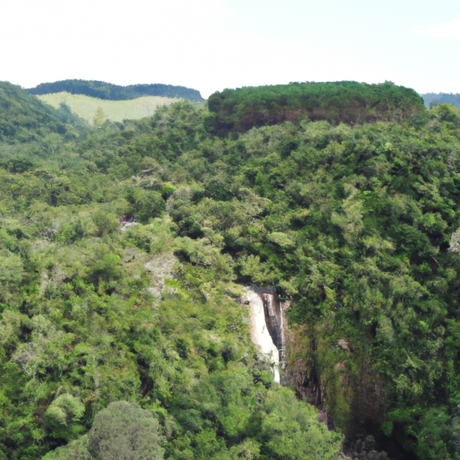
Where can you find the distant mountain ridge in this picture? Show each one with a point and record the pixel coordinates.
(109, 91)
(441, 98)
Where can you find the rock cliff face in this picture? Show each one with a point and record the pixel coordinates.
(160, 268)
(267, 325)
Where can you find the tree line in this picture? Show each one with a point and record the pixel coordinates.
(337, 102)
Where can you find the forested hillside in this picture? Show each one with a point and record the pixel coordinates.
(124, 250)
(338, 102)
(109, 91)
(23, 118)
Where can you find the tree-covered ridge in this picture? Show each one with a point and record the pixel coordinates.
(347, 102)
(33, 133)
(23, 118)
(441, 98)
(103, 90)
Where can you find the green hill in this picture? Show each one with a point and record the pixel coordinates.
(33, 133)
(86, 107)
(337, 102)
(23, 117)
(124, 250)
(109, 91)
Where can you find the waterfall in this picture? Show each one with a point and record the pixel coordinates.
(266, 323)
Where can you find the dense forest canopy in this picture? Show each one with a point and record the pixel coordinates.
(103, 90)
(124, 250)
(347, 102)
(441, 98)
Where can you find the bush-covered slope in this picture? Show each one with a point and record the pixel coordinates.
(33, 133)
(347, 102)
(109, 91)
(23, 117)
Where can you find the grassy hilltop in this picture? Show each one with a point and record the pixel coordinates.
(86, 107)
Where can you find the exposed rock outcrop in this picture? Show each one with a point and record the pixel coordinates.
(160, 268)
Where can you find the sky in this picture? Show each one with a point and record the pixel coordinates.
(210, 45)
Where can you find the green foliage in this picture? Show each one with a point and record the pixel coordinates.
(346, 102)
(99, 117)
(62, 414)
(125, 431)
(105, 223)
(24, 118)
(146, 204)
(75, 450)
(291, 431)
(122, 250)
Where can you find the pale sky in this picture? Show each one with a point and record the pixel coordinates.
(210, 45)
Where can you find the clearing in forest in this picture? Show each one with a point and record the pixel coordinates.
(86, 106)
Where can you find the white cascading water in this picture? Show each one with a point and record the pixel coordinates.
(260, 335)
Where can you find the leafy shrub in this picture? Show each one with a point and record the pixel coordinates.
(124, 431)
